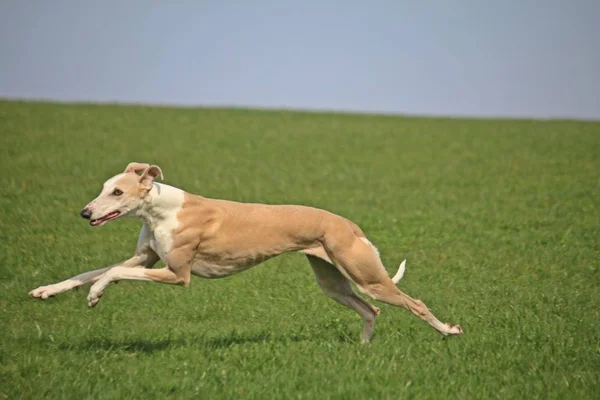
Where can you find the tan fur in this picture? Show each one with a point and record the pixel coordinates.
(217, 238)
(130, 184)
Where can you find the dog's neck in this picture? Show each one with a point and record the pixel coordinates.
(161, 203)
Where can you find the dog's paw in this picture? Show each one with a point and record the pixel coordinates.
(43, 292)
(454, 329)
(93, 297)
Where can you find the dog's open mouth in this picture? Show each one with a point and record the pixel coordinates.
(106, 218)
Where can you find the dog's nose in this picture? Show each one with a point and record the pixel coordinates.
(86, 213)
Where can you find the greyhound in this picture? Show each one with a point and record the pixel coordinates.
(211, 238)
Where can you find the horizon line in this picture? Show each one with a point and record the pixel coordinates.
(341, 111)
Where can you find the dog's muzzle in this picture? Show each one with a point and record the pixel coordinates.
(86, 213)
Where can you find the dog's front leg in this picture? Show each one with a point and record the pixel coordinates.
(163, 275)
(43, 292)
(177, 272)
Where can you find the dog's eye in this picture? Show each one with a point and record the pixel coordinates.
(117, 192)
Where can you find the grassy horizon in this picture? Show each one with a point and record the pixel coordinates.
(499, 220)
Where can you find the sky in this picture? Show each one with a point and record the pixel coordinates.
(461, 58)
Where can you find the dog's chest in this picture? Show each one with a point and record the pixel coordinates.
(210, 270)
(161, 238)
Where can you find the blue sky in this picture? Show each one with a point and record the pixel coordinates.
(480, 58)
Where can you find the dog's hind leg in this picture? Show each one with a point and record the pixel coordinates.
(360, 262)
(336, 286)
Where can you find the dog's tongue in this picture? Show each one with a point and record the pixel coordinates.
(102, 219)
(96, 222)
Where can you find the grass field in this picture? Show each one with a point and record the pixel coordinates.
(499, 221)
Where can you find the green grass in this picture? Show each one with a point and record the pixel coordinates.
(499, 221)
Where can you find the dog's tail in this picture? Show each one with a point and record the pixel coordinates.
(400, 272)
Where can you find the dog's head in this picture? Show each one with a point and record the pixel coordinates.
(122, 194)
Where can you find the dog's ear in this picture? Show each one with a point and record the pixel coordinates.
(136, 167)
(149, 175)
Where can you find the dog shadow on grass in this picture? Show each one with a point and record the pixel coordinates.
(153, 346)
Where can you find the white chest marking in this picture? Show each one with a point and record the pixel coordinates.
(162, 239)
(167, 203)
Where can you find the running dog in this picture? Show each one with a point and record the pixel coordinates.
(211, 238)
